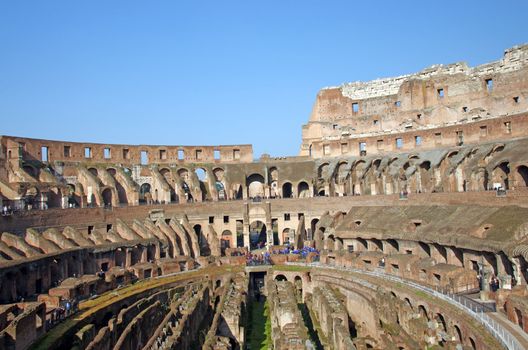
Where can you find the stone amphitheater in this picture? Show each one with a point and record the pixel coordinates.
(402, 224)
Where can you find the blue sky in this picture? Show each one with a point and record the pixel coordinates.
(220, 72)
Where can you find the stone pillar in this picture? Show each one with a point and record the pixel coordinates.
(144, 255)
(128, 257)
(516, 264)
(484, 282)
(246, 236)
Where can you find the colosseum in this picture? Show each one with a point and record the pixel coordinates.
(401, 224)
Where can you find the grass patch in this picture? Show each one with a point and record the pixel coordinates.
(259, 327)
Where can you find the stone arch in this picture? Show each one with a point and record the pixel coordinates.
(121, 191)
(226, 240)
(201, 175)
(440, 319)
(255, 185)
(303, 190)
(93, 171)
(340, 179)
(74, 196)
(408, 302)
(322, 171)
(472, 343)
(458, 333)
(287, 190)
(423, 311)
(144, 192)
(313, 226)
(219, 177)
(358, 174)
(202, 240)
(280, 277)
(522, 176)
(257, 234)
(501, 173)
(167, 175)
(183, 173)
(285, 236)
(298, 283)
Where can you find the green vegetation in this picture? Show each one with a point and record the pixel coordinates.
(312, 332)
(259, 327)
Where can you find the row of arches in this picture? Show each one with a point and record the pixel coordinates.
(455, 173)
(447, 325)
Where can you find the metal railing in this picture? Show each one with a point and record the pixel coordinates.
(473, 308)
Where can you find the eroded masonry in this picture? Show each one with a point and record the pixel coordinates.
(402, 224)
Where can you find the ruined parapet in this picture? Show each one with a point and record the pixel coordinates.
(332, 317)
(228, 325)
(127, 322)
(436, 97)
(181, 325)
(25, 328)
(287, 326)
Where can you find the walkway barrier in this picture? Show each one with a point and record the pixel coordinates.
(476, 310)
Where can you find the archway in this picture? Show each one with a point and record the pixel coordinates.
(298, 288)
(143, 190)
(201, 174)
(313, 225)
(423, 312)
(74, 200)
(225, 241)
(107, 197)
(202, 240)
(257, 235)
(280, 278)
(255, 186)
(287, 190)
(218, 174)
(167, 175)
(303, 190)
(458, 333)
(441, 321)
(522, 176)
(121, 192)
(500, 175)
(93, 171)
(285, 237)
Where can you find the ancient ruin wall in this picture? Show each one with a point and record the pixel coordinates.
(436, 97)
(64, 151)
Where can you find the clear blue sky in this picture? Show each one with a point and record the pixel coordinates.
(220, 72)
